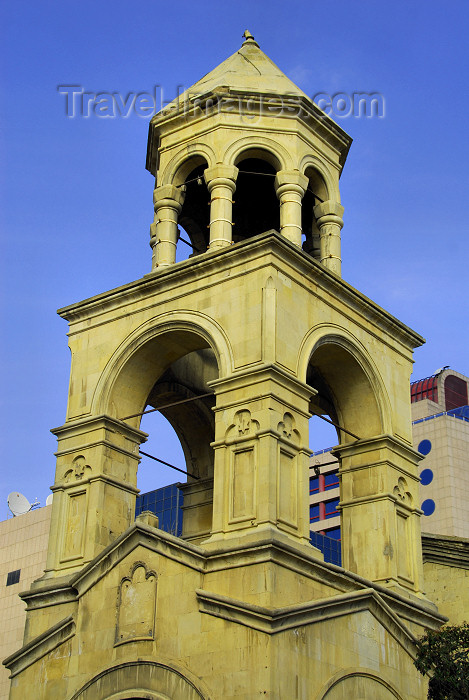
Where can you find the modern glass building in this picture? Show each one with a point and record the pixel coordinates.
(166, 503)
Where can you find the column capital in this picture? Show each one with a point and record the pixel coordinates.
(329, 208)
(168, 195)
(228, 173)
(284, 178)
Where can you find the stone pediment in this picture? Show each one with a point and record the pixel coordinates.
(139, 534)
(141, 616)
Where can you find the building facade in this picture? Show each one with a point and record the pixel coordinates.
(23, 552)
(440, 428)
(238, 345)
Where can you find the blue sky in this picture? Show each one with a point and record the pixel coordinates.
(77, 201)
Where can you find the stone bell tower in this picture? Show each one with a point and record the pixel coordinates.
(239, 344)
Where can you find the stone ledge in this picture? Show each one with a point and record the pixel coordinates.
(41, 645)
(267, 243)
(275, 620)
(445, 550)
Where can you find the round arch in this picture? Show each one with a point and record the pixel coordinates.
(141, 680)
(258, 147)
(331, 185)
(179, 167)
(334, 359)
(144, 355)
(360, 684)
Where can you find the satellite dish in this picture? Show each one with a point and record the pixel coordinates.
(49, 499)
(18, 504)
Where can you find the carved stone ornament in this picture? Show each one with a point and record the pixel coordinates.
(136, 605)
(401, 492)
(243, 424)
(79, 469)
(287, 428)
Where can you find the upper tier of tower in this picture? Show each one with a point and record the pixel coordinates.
(246, 127)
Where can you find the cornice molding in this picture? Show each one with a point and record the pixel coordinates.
(274, 620)
(41, 645)
(270, 243)
(445, 550)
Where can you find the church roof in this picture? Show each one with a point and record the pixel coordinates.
(247, 69)
(247, 73)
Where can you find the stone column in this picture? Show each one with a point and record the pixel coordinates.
(329, 219)
(290, 186)
(167, 201)
(380, 514)
(221, 183)
(94, 491)
(261, 470)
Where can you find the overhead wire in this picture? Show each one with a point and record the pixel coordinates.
(168, 405)
(199, 180)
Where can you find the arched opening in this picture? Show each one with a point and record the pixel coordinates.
(345, 390)
(171, 372)
(192, 421)
(164, 442)
(315, 194)
(359, 684)
(194, 219)
(256, 206)
(345, 398)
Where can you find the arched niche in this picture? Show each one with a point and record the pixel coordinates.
(359, 684)
(348, 388)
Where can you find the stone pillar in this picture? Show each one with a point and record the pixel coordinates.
(167, 201)
(380, 514)
(95, 489)
(261, 470)
(329, 219)
(290, 186)
(221, 183)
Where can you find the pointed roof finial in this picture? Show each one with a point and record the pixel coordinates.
(249, 39)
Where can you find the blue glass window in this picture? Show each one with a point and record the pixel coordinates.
(13, 577)
(314, 484)
(426, 477)
(314, 513)
(331, 481)
(166, 503)
(329, 546)
(424, 447)
(331, 508)
(333, 533)
(428, 506)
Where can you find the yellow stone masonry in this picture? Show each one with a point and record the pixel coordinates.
(242, 606)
